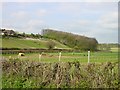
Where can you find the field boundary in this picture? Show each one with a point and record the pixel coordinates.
(10, 51)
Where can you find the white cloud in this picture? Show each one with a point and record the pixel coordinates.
(111, 16)
(0, 5)
(84, 22)
(71, 6)
(33, 23)
(0, 14)
(79, 26)
(86, 8)
(109, 21)
(41, 12)
(20, 15)
(32, 26)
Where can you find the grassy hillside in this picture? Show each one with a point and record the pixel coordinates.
(24, 43)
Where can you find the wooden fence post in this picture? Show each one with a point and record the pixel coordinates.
(59, 56)
(88, 56)
(40, 55)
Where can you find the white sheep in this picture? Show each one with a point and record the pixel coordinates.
(21, 54)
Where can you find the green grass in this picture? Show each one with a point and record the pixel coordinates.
(22, 43)
(69, 57)
(114, 49)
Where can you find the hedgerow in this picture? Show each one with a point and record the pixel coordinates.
(34, 74)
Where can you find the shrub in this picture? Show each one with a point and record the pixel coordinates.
(50, 45)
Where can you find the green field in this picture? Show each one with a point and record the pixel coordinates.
(23, 43)
(69, 57)
(114, 49)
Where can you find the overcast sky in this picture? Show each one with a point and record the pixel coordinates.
(92, 19)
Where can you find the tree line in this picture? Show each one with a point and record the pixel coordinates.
(74, 41)
(22, 35)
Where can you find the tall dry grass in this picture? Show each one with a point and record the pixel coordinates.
(33, 74)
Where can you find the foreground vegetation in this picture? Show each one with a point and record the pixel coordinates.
(34, 74)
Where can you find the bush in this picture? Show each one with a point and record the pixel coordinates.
(50, 45)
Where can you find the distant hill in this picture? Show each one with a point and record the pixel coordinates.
(71, 40)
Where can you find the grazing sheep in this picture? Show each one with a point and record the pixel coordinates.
(10, 57)
(50, 55)
(21, 54)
